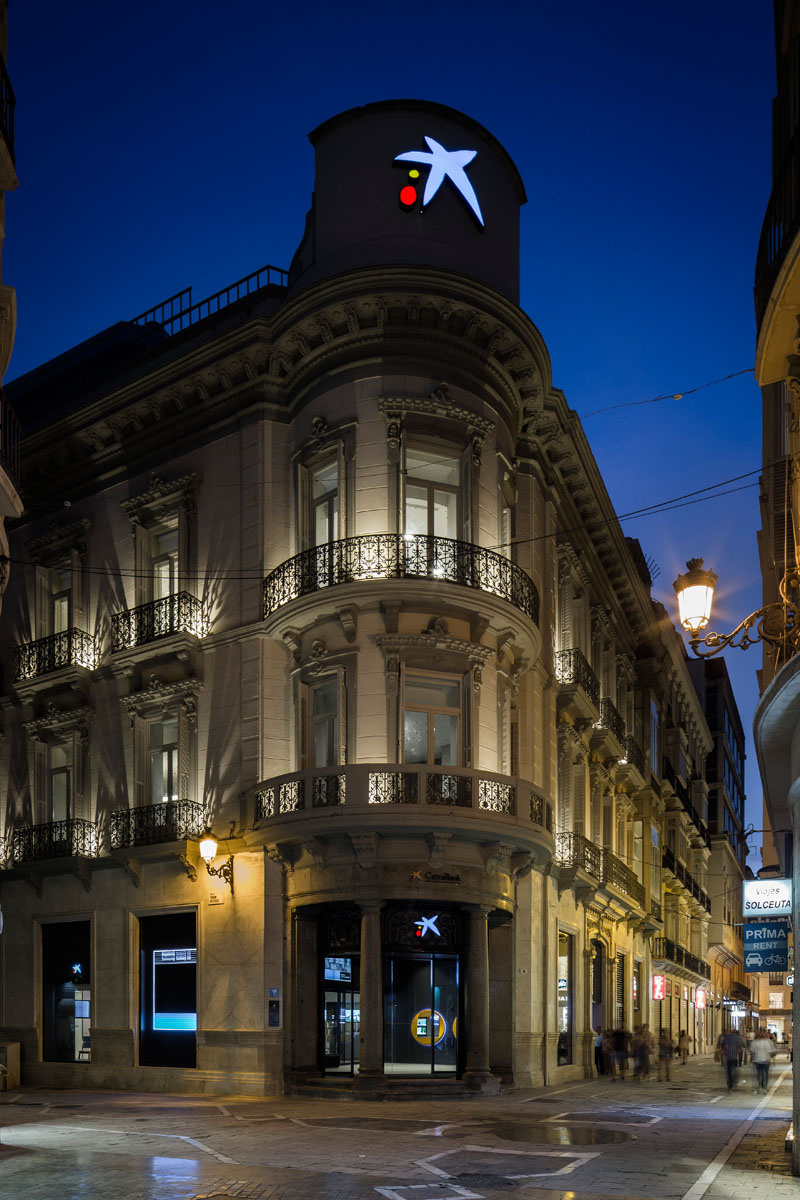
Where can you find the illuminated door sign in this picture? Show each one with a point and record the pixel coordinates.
(427, 925)
(443, 164)
(766, 946)
(767, 898)
(340, 969)
(659, 987)
(174, 990)
(700, 998)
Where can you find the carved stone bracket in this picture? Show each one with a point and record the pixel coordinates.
(318, 850)
(133, 867)
(189, 867)
(57, 723)
(349, 621)
(82, 871)
(437, 847)
(497, 858)
(365, 846)
(278, 854)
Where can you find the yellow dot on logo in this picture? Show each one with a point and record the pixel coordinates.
(413, 174)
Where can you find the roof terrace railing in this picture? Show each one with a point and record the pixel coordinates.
(177, 312)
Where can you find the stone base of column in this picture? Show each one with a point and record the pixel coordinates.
(482, 1081)
(369, 1081)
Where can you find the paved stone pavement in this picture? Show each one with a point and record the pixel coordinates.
(684, 1140)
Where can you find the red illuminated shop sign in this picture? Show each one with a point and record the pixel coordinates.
(659, 987)
(700, 998)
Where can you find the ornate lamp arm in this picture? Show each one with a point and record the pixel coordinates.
(775, 624)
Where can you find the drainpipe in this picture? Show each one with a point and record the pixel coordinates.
(546, 974)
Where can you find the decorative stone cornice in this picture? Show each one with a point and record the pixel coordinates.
(58, 723)
(60, 540)
(163, 497)
(160, 698)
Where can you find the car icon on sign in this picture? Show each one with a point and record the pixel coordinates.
(754, 960)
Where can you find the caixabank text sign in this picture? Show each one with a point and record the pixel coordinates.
(767, 898)
(766, 946)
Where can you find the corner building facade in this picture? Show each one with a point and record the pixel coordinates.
(340, 579)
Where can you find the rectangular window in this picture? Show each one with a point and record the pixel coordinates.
(637, 987)
(60, 600)
(432, 719)
(776, 999)
(59, 767)
(325, 722)
(654, 759)
(619, 1006)
(165, 562)
(163, 737)
(432, 489)
(325, 503)
(565, 998)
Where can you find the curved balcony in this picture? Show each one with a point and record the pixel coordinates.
(386, 795)
(381, 556)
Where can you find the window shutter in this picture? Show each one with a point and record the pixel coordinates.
(186, 789)
(303, 718)
(341, 696)
(43, 615)
(79, 751)
(341, 531)
(467, 708)
(579, 801)
(186, 579)
(78, 620)
(141, 763)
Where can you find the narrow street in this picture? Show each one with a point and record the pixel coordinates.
(686, 1139)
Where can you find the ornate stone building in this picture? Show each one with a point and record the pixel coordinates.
(10, 504)
(339, 579)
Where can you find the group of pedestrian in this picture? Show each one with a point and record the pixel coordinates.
(732, 1051)
(615, 1049)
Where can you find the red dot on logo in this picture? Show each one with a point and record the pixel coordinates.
(408, 195)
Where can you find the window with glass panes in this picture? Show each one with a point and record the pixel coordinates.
(432, 719)
(163, 749)
(59, 766)
(60, 600)
(165, 562)
(324, 697)
(325, 502)
(432, 490)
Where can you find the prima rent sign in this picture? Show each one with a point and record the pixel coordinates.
(767, 898)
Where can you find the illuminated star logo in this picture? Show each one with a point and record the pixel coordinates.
(445, 163)
(427, 925)
(416, 874)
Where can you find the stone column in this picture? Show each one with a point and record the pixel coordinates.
(305, 1016)
(370, 1038)
(478, 1070)
(589, 1035)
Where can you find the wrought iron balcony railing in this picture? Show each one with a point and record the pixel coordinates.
(572, 667)
(684, 876)
(394, 556)
(655, 909)
(617, 872)
(682, 792)
(611, 720)
(179, 613)
(172, 821)
(7, 106)
(58, 839)
(668, 951)
(781, 223)
(3, 851)
(359, 787)
(574, 850)
(71, 648)
(178, 313)
(634, 755)
(739, 991)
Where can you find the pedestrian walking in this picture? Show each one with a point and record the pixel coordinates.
(621, 1040)
(666, 1049)
(683, 1046)
(641, 1046)
(599, 1056)
(762, 1051)
(731, 1046)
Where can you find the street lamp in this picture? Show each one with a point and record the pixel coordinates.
(776, 624)
(208, 852)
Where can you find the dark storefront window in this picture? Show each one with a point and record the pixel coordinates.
(619, 1007)
(565, 998)
(637, 987)
(168, 990)
(66, 991)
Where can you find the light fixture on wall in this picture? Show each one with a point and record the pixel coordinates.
(208, 852)
(777, 624)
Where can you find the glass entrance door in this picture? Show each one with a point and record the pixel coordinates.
(420, 1016)
(341, 1018)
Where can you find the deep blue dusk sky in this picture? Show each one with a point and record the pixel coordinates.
(165, 145)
